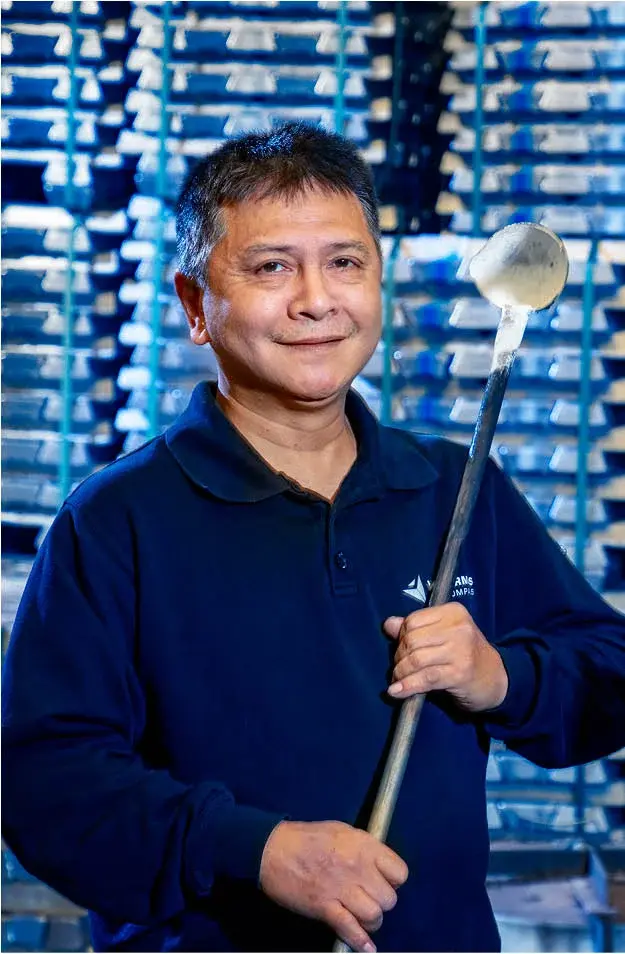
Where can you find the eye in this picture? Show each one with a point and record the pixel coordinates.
(345, 263)
(269, 268)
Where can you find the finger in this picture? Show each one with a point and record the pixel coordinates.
(392, 626)
(432, 679)
(379, 889)
(393, 868)
(450, 626)
(348, 928)
(448, 613)
(365, 909)
(422, 658)
(422, 639)
(372, 926)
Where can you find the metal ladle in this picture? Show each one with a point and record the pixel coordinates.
(522, 268)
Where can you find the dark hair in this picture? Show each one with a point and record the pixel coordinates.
(284, 162)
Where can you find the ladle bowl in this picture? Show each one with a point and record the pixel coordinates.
(523, 265)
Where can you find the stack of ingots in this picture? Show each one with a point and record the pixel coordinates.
(553, 151)
(36, 919)
(443, 336)
(36, 230)
(37, 225)
(526, 802)
(554, 117)
(249, 66)
(408, 60)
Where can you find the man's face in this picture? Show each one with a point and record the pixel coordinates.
(292, 304)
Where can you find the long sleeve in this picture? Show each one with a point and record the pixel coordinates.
(562, 645)
(81, 810)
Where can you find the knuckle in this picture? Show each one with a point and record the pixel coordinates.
(374, 925)
(459, 610)
(389, 901)
(402, 669)
(373, 912)
(431, 676)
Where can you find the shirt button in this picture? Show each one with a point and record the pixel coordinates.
(341, 560)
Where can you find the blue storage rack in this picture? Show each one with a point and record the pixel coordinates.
(400, 79)
(63, 218)
(536, 126)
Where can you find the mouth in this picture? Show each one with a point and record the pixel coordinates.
(313, 342)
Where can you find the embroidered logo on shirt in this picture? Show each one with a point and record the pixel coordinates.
(463, 587)
(416, 590)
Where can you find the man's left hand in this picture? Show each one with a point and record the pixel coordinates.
(441, 648)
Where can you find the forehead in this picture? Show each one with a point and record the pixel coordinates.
(280, 220)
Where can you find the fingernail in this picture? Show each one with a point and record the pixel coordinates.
(395, 688)
(370, 948)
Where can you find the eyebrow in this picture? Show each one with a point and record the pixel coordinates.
(345, 246)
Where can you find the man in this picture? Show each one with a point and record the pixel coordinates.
(205, 670)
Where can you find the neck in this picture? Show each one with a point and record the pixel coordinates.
(313, 446)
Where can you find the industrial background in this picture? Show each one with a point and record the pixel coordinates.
(473, 116)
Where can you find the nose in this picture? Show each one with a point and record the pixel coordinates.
(313, 297)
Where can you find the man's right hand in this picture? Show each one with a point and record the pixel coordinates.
(333, 873)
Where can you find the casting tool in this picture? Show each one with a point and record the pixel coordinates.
(520, 269)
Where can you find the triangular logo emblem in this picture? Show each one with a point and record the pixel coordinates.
(416, 590)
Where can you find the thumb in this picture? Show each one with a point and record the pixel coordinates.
(392, 626)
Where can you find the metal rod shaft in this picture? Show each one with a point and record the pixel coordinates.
(159, 251)
(388, 791)
(583, 450)
(477, 202)
(388, 333)
(67, 386)
(341, 59)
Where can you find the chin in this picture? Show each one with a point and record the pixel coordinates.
(321, 383)
(320, 390)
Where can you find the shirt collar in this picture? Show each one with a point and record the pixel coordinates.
(216, 457)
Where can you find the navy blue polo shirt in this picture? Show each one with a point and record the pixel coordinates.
(199, 653)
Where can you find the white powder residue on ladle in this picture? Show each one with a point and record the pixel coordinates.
(510, 333)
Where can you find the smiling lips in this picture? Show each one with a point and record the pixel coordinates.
(311, 342)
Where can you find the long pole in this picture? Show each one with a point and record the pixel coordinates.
(583, 449)
(479, 450)
(159, 251)
(65, 460)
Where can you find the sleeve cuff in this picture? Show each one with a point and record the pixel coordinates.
(522, 684)
(232, 845)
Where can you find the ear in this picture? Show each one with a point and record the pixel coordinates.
(191, 297)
